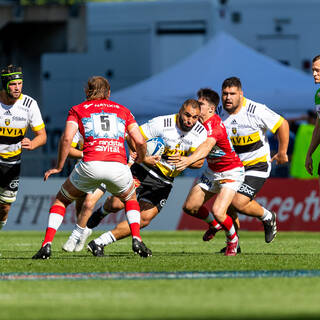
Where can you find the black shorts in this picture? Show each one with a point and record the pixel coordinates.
(151, 188)
(9, 174)
(251, 186)
(9, 182)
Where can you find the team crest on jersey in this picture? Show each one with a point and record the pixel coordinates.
(234, 130)
(7, 122)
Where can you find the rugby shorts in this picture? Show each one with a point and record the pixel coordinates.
(152, 187)
(9, 182)
(88, 176)
(251, 186)
(213, 181)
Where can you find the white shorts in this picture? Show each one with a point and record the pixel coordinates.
(87, 176)
(213, 181)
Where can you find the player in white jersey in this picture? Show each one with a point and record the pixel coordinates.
(315, 141)
(182, 134)
(17, 112)
(247, 123)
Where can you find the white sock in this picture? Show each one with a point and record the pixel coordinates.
(267, 215)
(77, 232)
(105, 239)
(3, 223)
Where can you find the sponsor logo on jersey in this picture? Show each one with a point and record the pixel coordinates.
(7, 113)
(244, 140)
(19, 119)
(234, 121)
(7, 122)
(12, 132)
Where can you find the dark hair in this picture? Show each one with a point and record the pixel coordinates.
(232, 82)
(98, 88)
(316, 58)
(210, 95)
(190, 102)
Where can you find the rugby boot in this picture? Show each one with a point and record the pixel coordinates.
(140, 248)
(96, 249)
(270, 228)
(44, 252)
(85, 235)
(223, 250)
(232, 247)
(210, 233)
(95, 218)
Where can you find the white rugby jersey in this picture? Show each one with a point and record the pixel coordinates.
(247, 130)
(14, 121)
(185, 142)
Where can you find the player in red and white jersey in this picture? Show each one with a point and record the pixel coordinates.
(103, 125)
(224, 175)
(222, 156)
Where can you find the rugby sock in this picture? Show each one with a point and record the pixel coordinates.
(216, 224)
(3, 223)
(228, 226)
(267, 215)
(56, 214)
(105, 239)
(77, 232)
(208, 217)
(133, 218)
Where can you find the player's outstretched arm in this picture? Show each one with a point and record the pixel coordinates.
(200, 153)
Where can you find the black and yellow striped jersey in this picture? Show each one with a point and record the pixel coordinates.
(175, 139)
(14, 121)
(247, 130)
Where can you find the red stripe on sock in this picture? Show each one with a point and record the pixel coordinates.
(135, 230)
(58, 209)
(50, 233)
(132, 205)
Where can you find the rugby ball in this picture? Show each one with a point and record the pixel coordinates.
(155, 146)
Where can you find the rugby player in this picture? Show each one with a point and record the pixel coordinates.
(18, 112)
(224, 175)
(182, 134)
(103, 124)
(315, 141)
(247, 123)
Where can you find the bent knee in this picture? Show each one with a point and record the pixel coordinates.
(190, 210)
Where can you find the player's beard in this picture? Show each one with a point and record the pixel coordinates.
(183, 127)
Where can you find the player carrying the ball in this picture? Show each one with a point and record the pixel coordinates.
(182, 134)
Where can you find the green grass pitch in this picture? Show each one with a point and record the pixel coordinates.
(181, 252)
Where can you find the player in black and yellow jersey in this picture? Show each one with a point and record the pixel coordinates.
(247, 123)
(17, 112)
